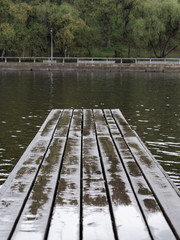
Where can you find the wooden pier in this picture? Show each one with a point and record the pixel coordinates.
(86, 175)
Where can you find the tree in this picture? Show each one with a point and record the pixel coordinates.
(67, 26)
(83, 25)
(156, 24)
(7, 35)
(13, 27)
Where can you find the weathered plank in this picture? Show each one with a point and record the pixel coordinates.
(66, 213)
(125, 209)
(88, 123)
(97, 222)
(125, 129)
(35, 215)
(91, 161)
(63, 125)
(155, 219)
(160, 185)
(65, 222)
(17, 187)
(76, 124)
(101, 125)
(112, 126)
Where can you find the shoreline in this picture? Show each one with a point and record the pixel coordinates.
(86, 67)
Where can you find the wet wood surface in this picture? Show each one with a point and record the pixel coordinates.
(87, 175)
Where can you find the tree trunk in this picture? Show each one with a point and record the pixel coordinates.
(3, 53)
(109, 34)
(129, 51)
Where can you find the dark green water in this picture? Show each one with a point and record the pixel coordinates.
(149, 101)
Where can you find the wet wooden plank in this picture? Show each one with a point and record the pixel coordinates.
(125, 207)
(65, 221)
(16, 189)
(96, 217)
(124, 126)
(91, 161)
(155, 219)
(97, 222)
(48, 127)
(63, 124)
(159, 184)
(76, 124)
(66, 212)
(34, 219)
(88, 123)
(101, 125)
(167, 197)
(112, 126)
(50, 123)
(91, 164)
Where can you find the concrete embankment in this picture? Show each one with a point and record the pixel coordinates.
(117, 67)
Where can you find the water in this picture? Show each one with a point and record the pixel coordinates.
(149, 101)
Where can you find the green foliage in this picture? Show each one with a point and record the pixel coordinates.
(157, 23)
(100, 27)
(7, 34)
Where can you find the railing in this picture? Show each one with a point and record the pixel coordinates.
(90, 60)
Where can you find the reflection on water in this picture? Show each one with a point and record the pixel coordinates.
(149, 101)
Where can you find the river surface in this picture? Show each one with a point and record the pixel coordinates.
(149, 101)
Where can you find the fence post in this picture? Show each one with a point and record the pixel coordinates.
(19, 60)
(63, 60)
(34, 60)
(5, 60)
(121, 61)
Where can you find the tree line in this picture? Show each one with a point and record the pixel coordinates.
(87, 28)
